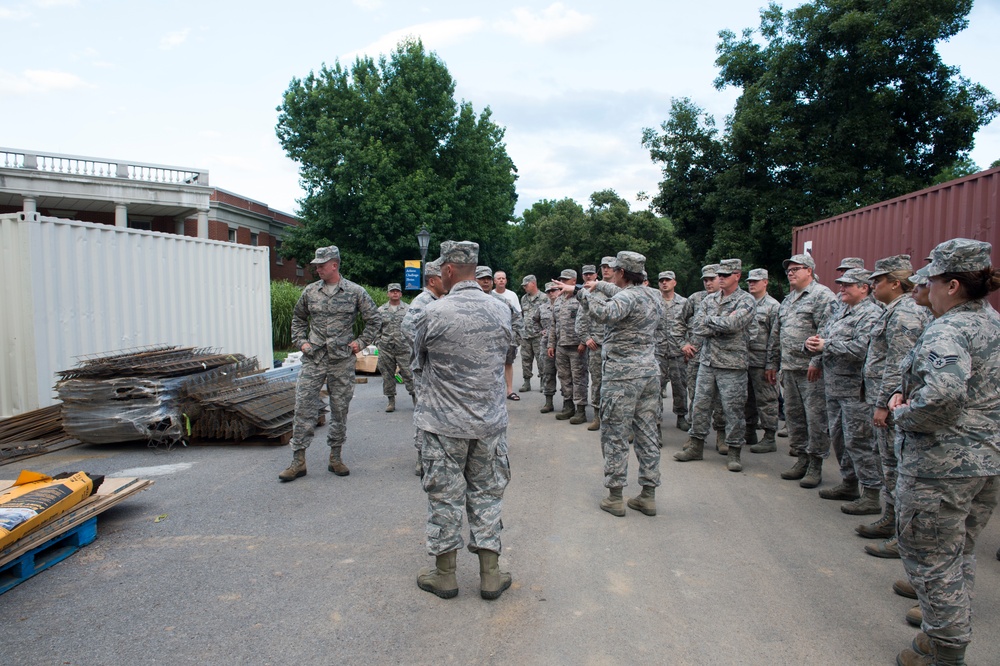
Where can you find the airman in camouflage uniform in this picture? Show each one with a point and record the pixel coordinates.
(710, 280)
(726, 325)
(433, 290)
(948, 418)
(532, 345)
(591, 335)
(630, 389)
(843, 345)
(460, 348)
(322, 328)
(393, 351)
(541, 321)
(893, 336)
(564, 346)
(765, 353)
(671, 332)
(803, 312)
(484, 276)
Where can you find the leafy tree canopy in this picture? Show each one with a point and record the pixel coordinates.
(844, 103)
(383, 150)
(554, 235)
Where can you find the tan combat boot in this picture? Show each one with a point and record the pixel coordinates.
(814, 473)
(613, 503)
(766, 445)
(720, 443)
(297, 468)
(440, 579)
(547, 407)
(883, 528)
(866, 505)
(888, 549)
(798, 470)
(915, 616)
(337, 465)
(693, 450)
(391, 407)
(596, 423)
(733, 462)
(568, 410)
(845, 490)
(645, 502)
(580, 416)
(904, 589)
(492, 581)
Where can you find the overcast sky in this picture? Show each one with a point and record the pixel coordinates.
(195, 84)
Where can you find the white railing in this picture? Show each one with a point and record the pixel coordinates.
(95, 167)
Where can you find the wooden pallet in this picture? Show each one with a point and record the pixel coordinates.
(53, 551)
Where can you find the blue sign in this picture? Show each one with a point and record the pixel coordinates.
(411, 276)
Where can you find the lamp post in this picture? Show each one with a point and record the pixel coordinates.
(423, 240)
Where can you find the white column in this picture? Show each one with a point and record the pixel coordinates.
(179, 227)
(121, 215)
(202, 223)
(28, 205)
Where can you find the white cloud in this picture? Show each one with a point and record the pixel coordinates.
(368, 5)
(57, 3)
(40, 81)
(13, 14)
(174, 39)
(434, 35)
(555, 22)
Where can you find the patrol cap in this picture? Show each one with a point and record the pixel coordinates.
(588, 269)
(959, 255)
(803, 259)
(433, 268)
(730, 266)
(757, 274)
(607, 261)
(394, 286)
(854, 276)
(851, 262)
(459, 252)
(633, 262)
(886, 265)
(325, 254)
(567, 274)
(528, 278)
(666, 275)
(710, 271)
(920, 277)
(484, 272)
(551, 286)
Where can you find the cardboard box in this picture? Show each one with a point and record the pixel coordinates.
(365, 363)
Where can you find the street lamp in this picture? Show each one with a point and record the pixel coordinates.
(423, 240)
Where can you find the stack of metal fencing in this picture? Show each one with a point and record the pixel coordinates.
(165, 394)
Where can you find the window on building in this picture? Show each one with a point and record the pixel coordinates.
(277, 253)
(254, 238)
(232, 235)
(299, 270)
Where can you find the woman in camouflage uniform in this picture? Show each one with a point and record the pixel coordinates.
(948, 420)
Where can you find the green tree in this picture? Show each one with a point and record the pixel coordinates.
(383, 150)
(844, 103)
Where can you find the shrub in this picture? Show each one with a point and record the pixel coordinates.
(284, 296)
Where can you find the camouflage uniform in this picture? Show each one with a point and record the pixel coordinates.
(845, 345)
(460, 346)
(409, 329)
(532, 344)
(893, 336)
(726, 325)
(541, 321)
(630, 389)
(324, 317)
(393, 350)
(801, 315)
(688, 313)
(671, 331)
(570, 364)
(949, 450)
(587, 328)
(765, 352)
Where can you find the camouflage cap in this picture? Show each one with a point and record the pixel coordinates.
(757, 274)
(551, 286)
(528, 278)
(394, 286)
(920, 277)
(851, 262)
(666, 275)
(886, 265)
(325, 254)
(730, 266)
(484, 272)
(633, 262)
(567, 274)
(588, 269)
(433, 268)
(959, 255)
(854, 276)
(459, 252)
(802, 259)
(607, 261)
(710, 271)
